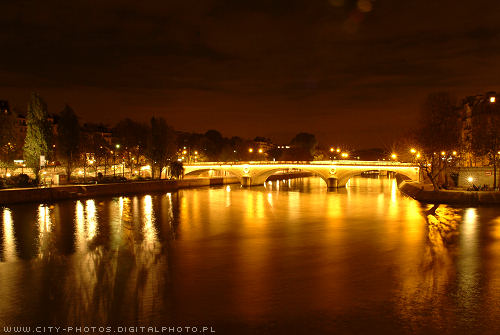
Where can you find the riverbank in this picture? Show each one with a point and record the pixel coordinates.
(65, 192)
(425, 193)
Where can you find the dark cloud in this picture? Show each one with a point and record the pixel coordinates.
(343, 69)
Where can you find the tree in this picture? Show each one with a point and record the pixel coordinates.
(438, 133)
(303, 146)
(38, 133)
(161, 145)
(176, 169)
(68, 138)
(133, 137)
(8, 136)
(213, 143)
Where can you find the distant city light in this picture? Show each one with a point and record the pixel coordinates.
(470, 179)
(261, 151)
(394, 156)
(412, 150)
(338, 149)
(443, 153)
(454, 153)
(250, 150)
(493, 100)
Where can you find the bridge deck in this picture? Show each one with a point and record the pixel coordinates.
(333, 162)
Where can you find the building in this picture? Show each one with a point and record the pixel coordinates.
(100, 130)
(477, 109)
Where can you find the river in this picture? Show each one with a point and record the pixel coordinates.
(287, 258)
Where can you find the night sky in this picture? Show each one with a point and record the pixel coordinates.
(352, 72)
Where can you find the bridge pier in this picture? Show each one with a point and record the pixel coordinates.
(246, 181)
(332, 183)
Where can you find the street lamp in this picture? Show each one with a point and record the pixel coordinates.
(117, 146)
(394, 156)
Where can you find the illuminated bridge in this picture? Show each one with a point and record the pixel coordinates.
(334, 173)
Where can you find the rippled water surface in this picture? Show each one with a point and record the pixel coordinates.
(288, 258)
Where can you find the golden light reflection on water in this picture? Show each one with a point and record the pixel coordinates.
(252, 255)
(422, 287)
(492, 268)
(149, 229)
(86, 223)
(9, 241)
(80, 227)
(270, 199)
(44, 230)
(44, 220)
(91, 219)
(468, 264)
(228, 196)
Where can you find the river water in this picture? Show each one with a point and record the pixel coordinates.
(287, 258)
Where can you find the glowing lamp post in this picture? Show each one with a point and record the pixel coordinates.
(114, 159)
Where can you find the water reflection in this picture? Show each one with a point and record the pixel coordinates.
(9, 243)
(285, 257)
(45, 237)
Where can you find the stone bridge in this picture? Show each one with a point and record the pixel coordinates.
(334, 173)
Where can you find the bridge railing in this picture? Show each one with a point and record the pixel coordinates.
(332, 162)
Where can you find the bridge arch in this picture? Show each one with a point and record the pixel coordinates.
(262, 177)
(345, 176)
